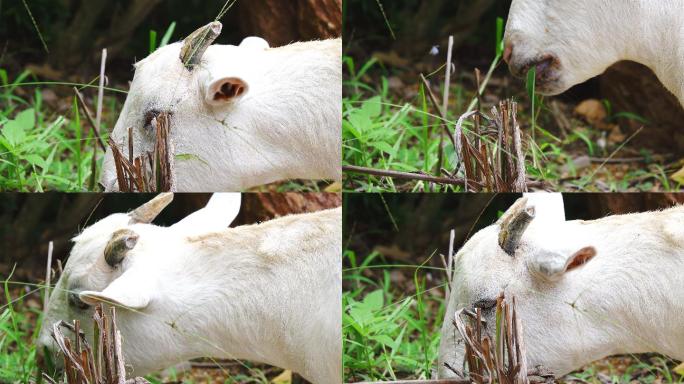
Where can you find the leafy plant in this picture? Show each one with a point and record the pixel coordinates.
(387, 334)
(165, 39)
(39, 149)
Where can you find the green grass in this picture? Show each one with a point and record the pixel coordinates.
(19, 326)
(379, 133)
(384, 131)
(165, 39)
(41, 150)
(655, 371)
(387, 334)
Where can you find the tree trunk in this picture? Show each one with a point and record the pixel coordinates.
(123, 25)
(283, 22)
(75, 39)
(77, 44)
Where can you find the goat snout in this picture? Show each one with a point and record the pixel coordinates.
(547, 66)
(521, 57)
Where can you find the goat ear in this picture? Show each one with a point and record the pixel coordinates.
(553, 265)
(256, 43)
(128, 291)
(217, 215)
(225, 90)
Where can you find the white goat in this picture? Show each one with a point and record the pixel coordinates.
(240, 116)
(571, 41)
(268, 293)
(584, 289)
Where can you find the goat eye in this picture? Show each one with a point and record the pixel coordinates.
(485, 304)
(75, 301)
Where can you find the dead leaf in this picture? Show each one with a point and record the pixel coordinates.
(594, 112)
(283, 378)
(335, 187)
(679, 178)
(680, 369)
(616, 136)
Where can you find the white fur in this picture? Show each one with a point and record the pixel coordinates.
(286, 126)
(627, 299)
(268, 292)
(587, 36)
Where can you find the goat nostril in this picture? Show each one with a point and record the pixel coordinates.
(545, 65)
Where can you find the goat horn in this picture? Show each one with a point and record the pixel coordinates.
(513, 224)
(118, 246)
(148, 211)
(197, 43)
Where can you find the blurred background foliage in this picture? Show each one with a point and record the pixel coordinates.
(388, 44)
(418, 25)
(28, 222)
(75, 31)
(411, 227)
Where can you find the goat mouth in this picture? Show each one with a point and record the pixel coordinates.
(547, 68)
(547, 73)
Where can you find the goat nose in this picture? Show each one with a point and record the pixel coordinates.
(508, 52)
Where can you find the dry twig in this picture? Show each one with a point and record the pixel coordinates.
(152, 171)
(84, 365)
(498, 358)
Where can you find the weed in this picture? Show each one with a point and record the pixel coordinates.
(18, 330)
(386, 133)
(165, 39)
(40, 150)
(387, 334)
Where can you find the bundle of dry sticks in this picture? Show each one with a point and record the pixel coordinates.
(103, 364)
(150, 172)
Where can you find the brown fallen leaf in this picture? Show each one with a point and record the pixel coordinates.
(679, 178)
(593, 112)
(680, 369)
(616, 136)
(283, 378)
